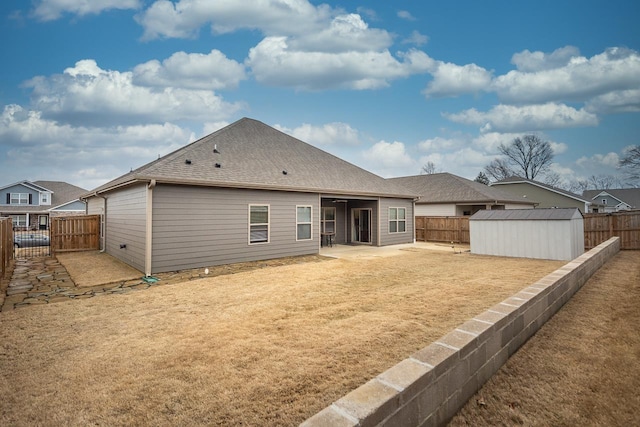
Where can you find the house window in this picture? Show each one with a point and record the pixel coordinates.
(258, 224)
(604, 201)
(303, 222)
(44, 199)
(19, 220)
(397, 220)
(19, 198)
(328, 220)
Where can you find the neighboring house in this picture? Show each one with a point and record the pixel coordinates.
(614, 200)
(246, 192)
(445, 194)
(32, 204)
(545, 195)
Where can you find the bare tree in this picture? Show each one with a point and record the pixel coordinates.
(529, 155)
(553, 179)
(604, 182)
(499, 169)
(429, 168)
(482, 178)
(631, 163)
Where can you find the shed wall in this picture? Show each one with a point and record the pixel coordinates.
(560, 240)
(202, 226)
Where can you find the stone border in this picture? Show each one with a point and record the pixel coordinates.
(429, 387)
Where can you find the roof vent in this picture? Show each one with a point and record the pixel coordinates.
(284, 172)
(218, 165)
(187, 161)
(215, 149)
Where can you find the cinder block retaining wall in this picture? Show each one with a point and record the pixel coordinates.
(428, 388)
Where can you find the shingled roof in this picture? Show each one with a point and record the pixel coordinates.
(449, 188)
(61, 194)
(250, 154)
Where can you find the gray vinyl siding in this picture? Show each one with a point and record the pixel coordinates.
(125, 225)
(197, 227)
(387, 238)
(72, 206)
(35, 195)
(545, 198)
(95, 206)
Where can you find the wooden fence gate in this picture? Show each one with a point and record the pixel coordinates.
(6, 244)
(75, 233)
(599, 227)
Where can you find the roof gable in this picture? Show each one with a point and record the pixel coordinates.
(449, 188)
(629, 196)
(28, 184)
(520, 180)
(250, 154)
(61, 192)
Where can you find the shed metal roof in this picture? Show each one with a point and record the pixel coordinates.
(563, 214)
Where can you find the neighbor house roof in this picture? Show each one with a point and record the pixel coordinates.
(527, 214)
(520, 180)
(250, 154)
(449, 188)
(62, 193)
(630, 196)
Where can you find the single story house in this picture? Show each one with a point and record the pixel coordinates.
(546, 196)
(532, 233)
(243, 193)
(445, 194)
(32, 204)
(614, 200)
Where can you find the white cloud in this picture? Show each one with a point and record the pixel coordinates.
(527, 61)
(465, 162)
(212, 71)
(451, 79)
(438, 144)
(49, 10)
(580, 79)
(184, 18)
(609, 160)
(416, 38)
(328, 134)
(406, 15)
(511, 118)
(558, 147)
(389, 159)
(274, 63)
(345, 33)
(85, 156)
(88, 94)
(621, 101)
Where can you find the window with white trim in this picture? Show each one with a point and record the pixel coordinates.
(19, 220)
(328, 220)
(397, 220)
(45, 198)
(303, 222)
(19, 198)
(258, 224)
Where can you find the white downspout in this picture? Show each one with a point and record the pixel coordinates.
(149, 229)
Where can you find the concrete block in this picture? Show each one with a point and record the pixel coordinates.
(329, 416)
(433, 396)
(498, 319)
(410, 376)
(506, 334)
(464, 341)
(494, 344)
(440, 357)
(478, 328)
(485, 372)
(370, 403)
(407, 415)
(459, 374)
(468, 389)
(477, 358)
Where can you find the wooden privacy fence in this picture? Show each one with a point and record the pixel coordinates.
(442, 229)
(75, 233)
(600, 227)
(6, 244)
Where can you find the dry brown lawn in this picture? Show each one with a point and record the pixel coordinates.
(264, 347)
(582, 368)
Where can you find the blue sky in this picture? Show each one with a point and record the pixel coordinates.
(92, 88)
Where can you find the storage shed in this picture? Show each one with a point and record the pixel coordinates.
(528, 233)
